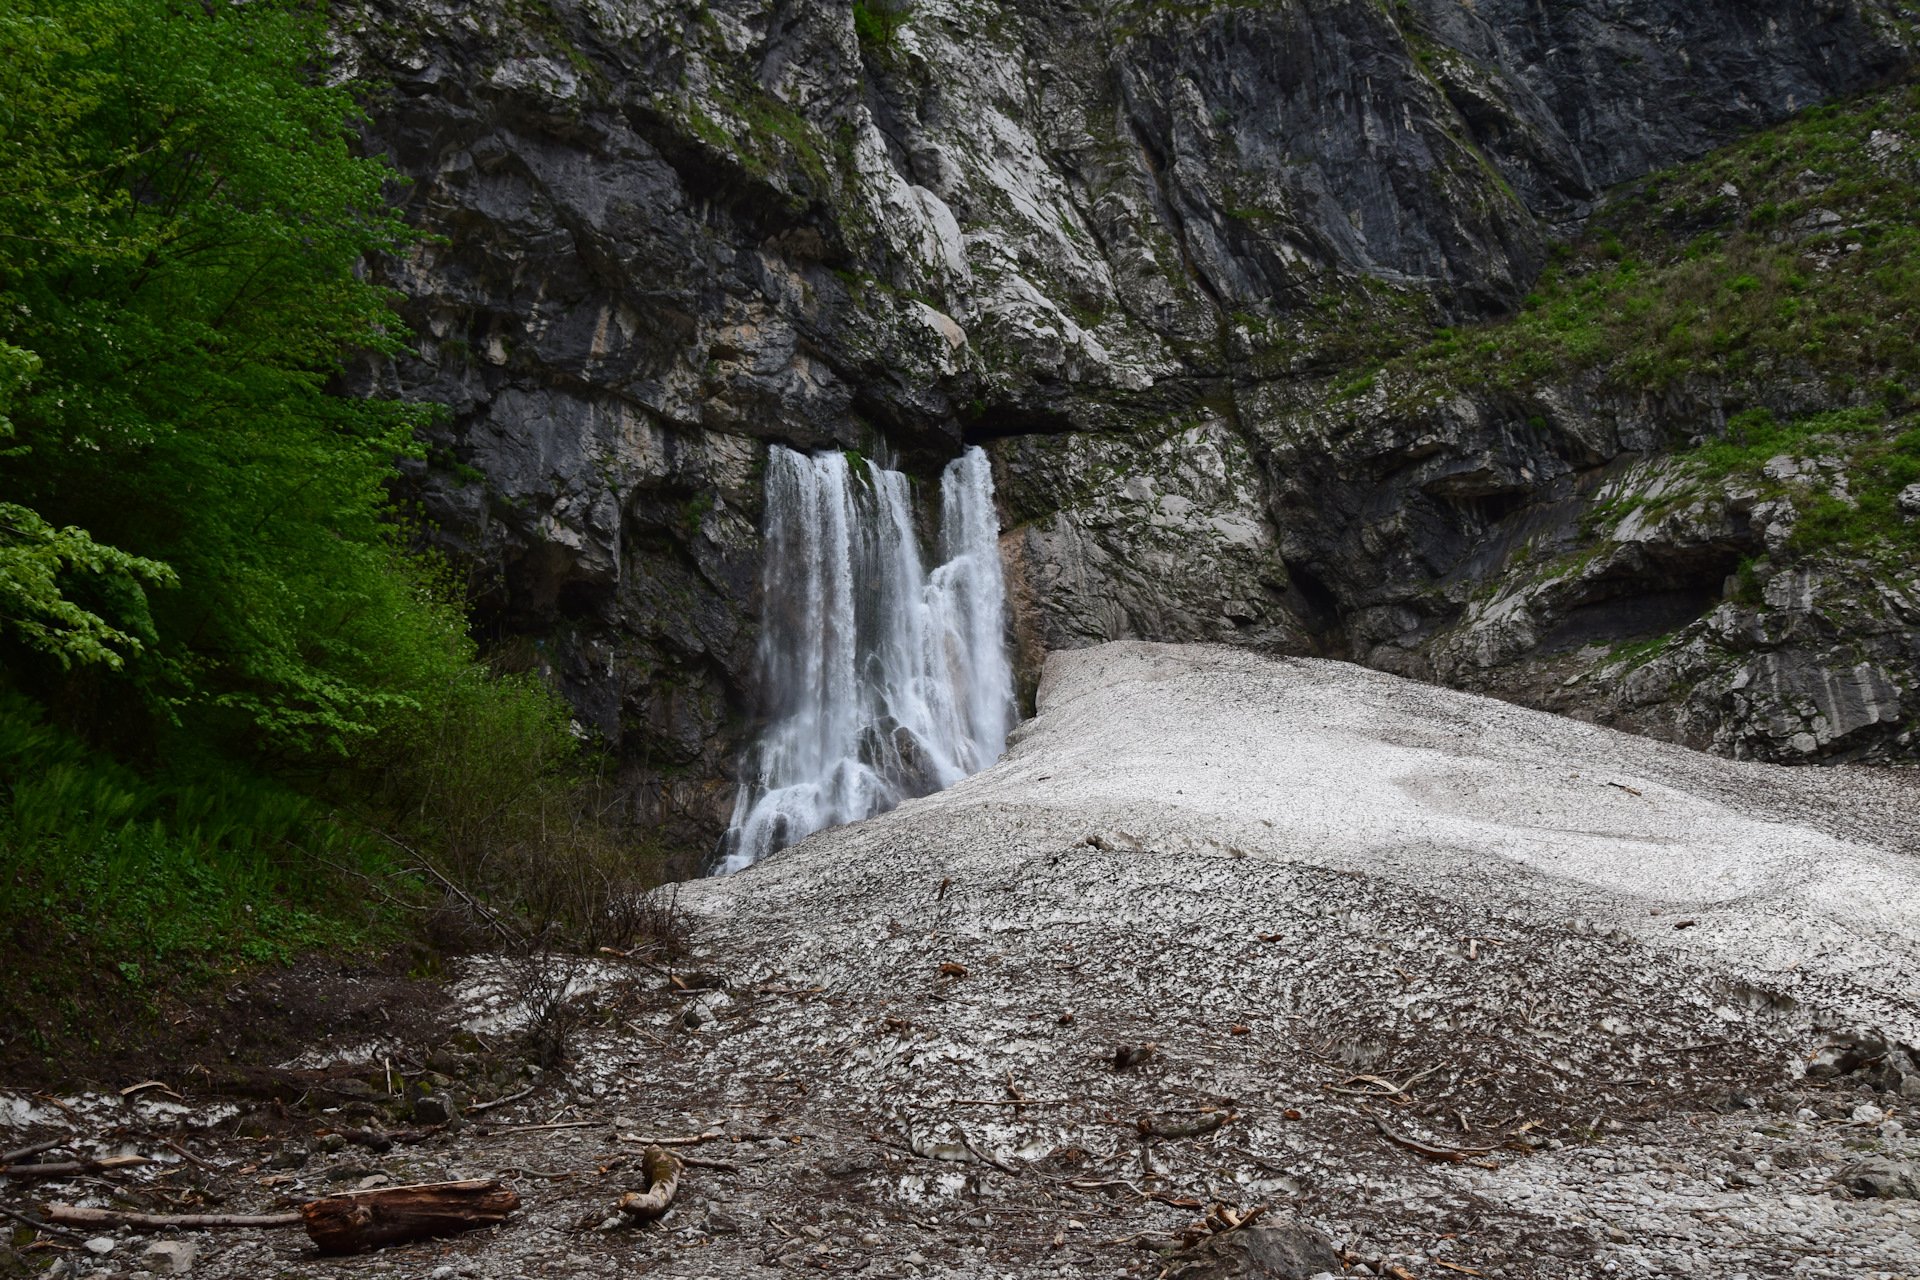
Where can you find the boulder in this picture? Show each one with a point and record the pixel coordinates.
(169, 1257)
(1260, 1252)
(1881, 1178)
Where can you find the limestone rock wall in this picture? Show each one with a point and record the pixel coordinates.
(1118, 242)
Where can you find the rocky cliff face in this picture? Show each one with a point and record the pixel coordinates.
(1134, 248)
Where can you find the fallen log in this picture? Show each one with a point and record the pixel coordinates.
(14, 1157)
(72, 1168)
(362, 1220)
(349, 1223)
(44, 1228)
(78, 1216)
(662, 1170)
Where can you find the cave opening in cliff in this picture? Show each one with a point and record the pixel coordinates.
(880, 679)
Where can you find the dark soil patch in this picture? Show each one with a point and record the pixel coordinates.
(72, 1020)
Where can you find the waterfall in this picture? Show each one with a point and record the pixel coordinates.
(882, 681)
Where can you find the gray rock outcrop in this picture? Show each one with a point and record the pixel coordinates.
(1122, 244)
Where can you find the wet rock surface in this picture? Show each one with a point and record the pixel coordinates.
(1441, 980)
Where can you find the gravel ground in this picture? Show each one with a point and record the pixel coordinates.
(1464, 988)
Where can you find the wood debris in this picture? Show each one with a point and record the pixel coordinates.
(478, 1107)
(79, 1216)
(23, 1153)
(1383, 1088)
(144, 1085)
(73, 1168)
(362, 1220)
(689, 1140)
(661, 1169)
(1451, 1155)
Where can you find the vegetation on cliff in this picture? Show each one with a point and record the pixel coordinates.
(1792, 253)
(1761, 304)
(1780, 275)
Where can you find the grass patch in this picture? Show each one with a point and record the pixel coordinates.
(1792, 254)
(122, 888)
(1631, 655)
(127, 889)
(1877, 454)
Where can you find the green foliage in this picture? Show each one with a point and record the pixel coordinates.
(196, 869)
(224, 677)
(877, 22)
(1754, 436)
(494, 783)
(1633, 654)
(36, 559)
(180, 228)
(1790, 259)
(1811, 270)
(1876, 452)
(766, 138)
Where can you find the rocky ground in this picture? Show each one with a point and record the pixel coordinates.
(1432, 985)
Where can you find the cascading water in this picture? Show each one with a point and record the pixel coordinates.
(883, 681)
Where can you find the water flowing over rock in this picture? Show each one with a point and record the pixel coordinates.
(882, 681)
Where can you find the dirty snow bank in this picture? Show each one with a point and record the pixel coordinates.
(1804, 880)
(1289, 876)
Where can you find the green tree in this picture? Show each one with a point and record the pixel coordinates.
(184, 503)
(230, 698)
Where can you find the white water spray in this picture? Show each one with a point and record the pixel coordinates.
(883, 681)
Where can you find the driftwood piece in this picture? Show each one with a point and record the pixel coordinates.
(77, 1216)
(72, 1168)
(1450, 1155)
(44, 1228)
(547, 1128)
(362, 1220)
(145, 1085)
(690, 1140)
(14, 1157)
(474, 1109)
(662, 1170)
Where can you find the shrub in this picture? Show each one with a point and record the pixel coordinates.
(877, 22)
